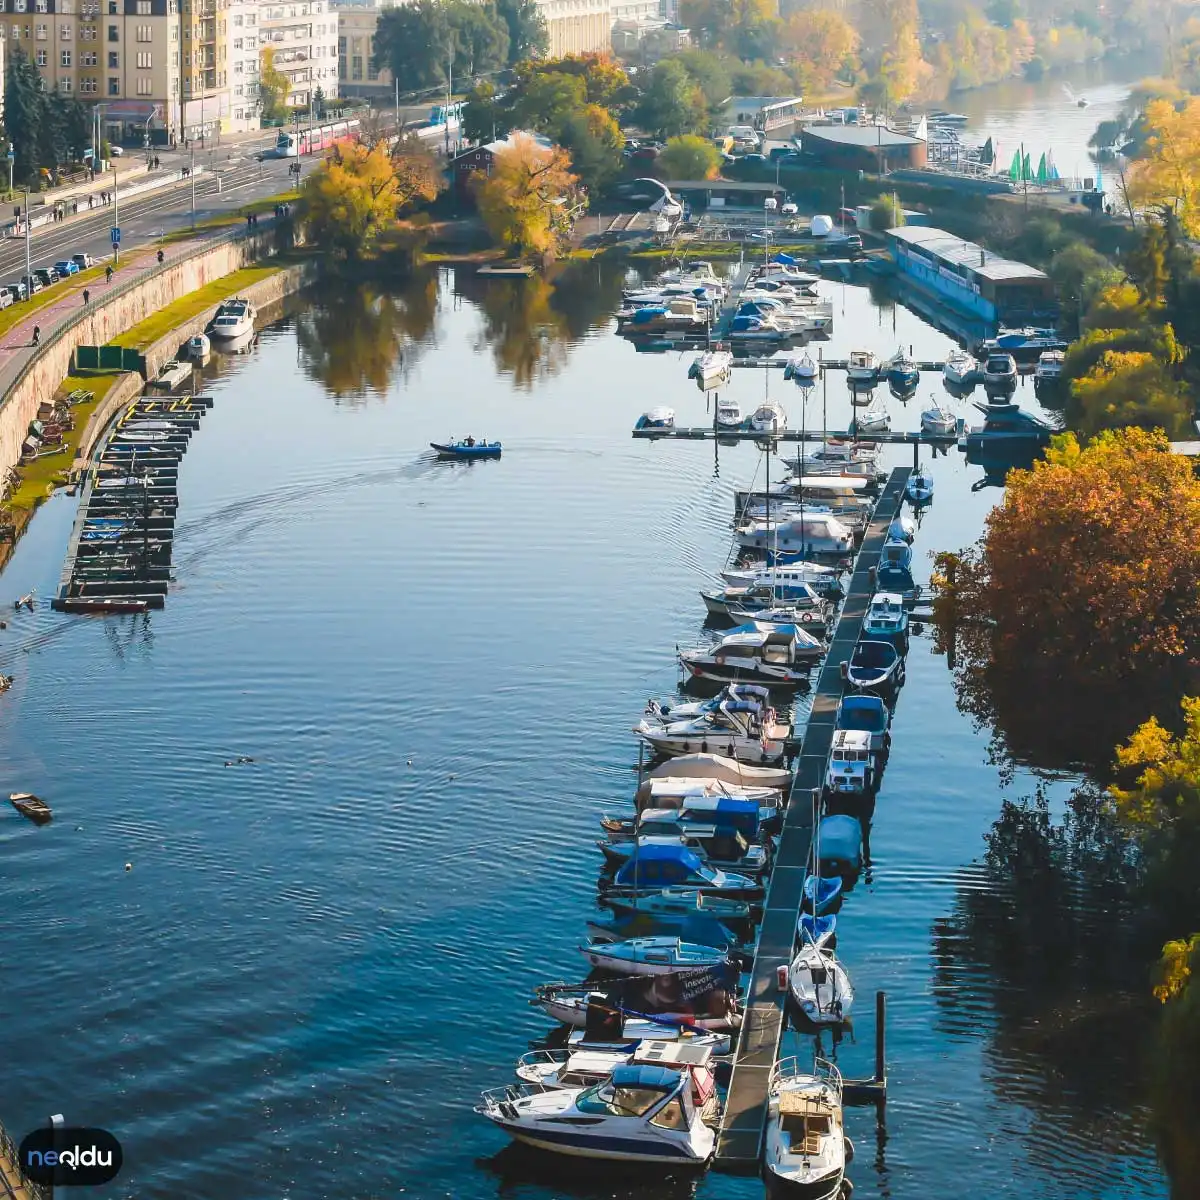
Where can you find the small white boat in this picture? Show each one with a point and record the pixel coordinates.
(823, 580)
(233, 319)
(657, 418)
(171, 375)
(729, 415)
(862, 367)
(820, 986)
(711, 369)
(780, 657)
(1000, 372)
(562, 1069)
(919, 488)
(1049, 369)
(873, 420)
(658, 1107)
(886, 618)
(804, 1152)
(960, 369)
(652, 956)
(802, 371)
(769, 417)
(131, 433)
(812, 533)
(745, 729)
(199, 348)
(938, 420)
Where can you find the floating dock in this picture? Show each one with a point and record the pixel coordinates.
(740, 1141)
(732, 299)
(119, 552)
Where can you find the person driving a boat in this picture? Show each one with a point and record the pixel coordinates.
(470, 441)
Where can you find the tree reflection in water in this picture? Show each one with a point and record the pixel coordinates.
(1049, 952)
(530, 323)
(357, 337)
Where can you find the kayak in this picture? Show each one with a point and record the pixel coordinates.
(462, 450)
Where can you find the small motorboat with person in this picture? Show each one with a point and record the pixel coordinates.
(875, 666)
(804, 1151)
(467, 448)
(820, 986)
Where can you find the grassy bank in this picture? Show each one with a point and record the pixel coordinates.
(188, 307)
(235, 216)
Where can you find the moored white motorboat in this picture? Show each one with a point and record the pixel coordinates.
(661, 998)
(653, 1109)
(872, 420)
(960, 369)
(568, 1068)
(652, 956)
(743, 729)
(780, 657)
(811, 533)
(804, 1152)
(862, 367)
(198, 348)
(1049, 369)
(769, 418)
(1000, 372)
(823, 579)
(729, 415)
(875, 666)
(657, 418)
(233, 319)
(938, 420)
(802, 370)
(820, 986)
(886, 617)
(711, 369)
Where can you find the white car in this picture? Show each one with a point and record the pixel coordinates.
(83, 261)
(6, 298)
(116, 152)
(790, 209)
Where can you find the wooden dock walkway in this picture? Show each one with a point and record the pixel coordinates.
(13, 1184)
(732, 299)
(700, 433)
(739, 1144)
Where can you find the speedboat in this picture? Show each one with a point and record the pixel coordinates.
(895, 553)
(469, 448)
(709, 1001)
(781, 657)
(867, 714)
(198, 348)
(820, 986)
(1048, 372)
(886, 618)
(745, 729)
(902, 374)
(960, 369)
(657, 418)
(652, 956)
(664, 712)
(233, 319)
(768, 418)
(839, 844)
(746, 602)
(804, 1153)
(802, 371)
(1000, 372)
(675, 901)
(568, 1068)
(711, 369)
(1007, 429)
(824, 580)
(875, 666)
(862, 367)
(651, 1109)
(788, 612)
(719, 847)
(729, 415)
(919, 488)
(746, 817)
(708, 774)
(873, 420)
(749, 328)
(822, 893)
(938, 420)
(810, 533)
(851, 767)
(650, 868)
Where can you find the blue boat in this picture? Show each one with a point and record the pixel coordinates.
(817, 931)
(654, 868)
(469, 448)
(822, 895)
(695, 926)
(902, 374)
(840, 839)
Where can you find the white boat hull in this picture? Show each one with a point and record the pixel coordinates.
(232, 331)
(742, 749)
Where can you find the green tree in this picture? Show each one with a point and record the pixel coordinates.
(595, 142)
(886, 213)
(23, 105)
(319, 103)
(527, 33)
(711, 75)
(1131, 388)
(545, 100)
(272, 87)
(1080, 273)
(483, 118)
(671, 104)
(689, 157)
(1175, 1085)
(480, 37)
(415, 42)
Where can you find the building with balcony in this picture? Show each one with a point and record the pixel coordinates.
(357, 75)
(218, 36)
(304, 37)
(121, 54)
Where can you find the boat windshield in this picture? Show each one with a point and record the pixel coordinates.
(618, 1101)
(864, 720)
(874, 654)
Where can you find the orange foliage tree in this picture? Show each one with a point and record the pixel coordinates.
(1077, 614)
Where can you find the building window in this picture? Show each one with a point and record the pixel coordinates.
(114, 86)
(87, 33)
(41, 33)
(145, 85)
(41, 58)
(64, 33)
(114, 60)
(88, 58)
(87, 84)
(41, 6)
(65, 85)
(356, 67)
(18, 5)
(64, 58)
(143, 8)
(143, 61)
(114, 34)
(145, 33)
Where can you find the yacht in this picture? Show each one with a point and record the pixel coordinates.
(743, 729)
(938, 420)
(805, 1147)
(729, 416)
(811, 533)
(233, 319)
(711, 369)
(653, 955)
(1049, 369)
(960, 369)
(655, 1108)
(781, 657)
(1000, 372)
(886, 617)
(768, 418)
(825, 581)
(862, 367)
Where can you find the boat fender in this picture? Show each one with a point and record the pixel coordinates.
(129, 866)
(781, 977)
(704, 746)
(844, 666)
(849, 1151)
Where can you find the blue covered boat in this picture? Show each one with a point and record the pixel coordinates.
(840, 840)
(822, 895)
(468, 448)
(817, 930)
(653, 868)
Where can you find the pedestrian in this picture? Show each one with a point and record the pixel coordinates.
(249, 221)
(37, 334)
(91, 200)
(108, 274)
(76, 208)
(86, 297)
(160, 258)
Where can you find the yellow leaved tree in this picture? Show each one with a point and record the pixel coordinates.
(1168, 174)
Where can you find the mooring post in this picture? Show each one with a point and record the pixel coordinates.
(916, 451)
(881, 1041)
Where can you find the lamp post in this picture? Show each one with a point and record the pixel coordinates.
(116, 218)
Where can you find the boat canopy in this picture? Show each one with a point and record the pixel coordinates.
(645, 1075)
(874, 654)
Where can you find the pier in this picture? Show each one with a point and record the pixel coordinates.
(732, 299)
(739, 1144)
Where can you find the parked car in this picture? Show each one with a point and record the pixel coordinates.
(83, 261)
(32, 283)
(18, 289)
(116, 151)
(6, 297)
(644, 154)
(854, 242)
(48, 276)
(758, 160)
(65, 267)
(790, 208)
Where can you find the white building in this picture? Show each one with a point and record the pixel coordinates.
(577, 26)
(243, 64)
(304, 36)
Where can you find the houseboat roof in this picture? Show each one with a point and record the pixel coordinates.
(954, 251)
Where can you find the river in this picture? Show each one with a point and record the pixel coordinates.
(317, 958)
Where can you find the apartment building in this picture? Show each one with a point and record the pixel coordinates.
(357, 75)
(304, 36)
(219, 55)
(123, 54)
(577, 26)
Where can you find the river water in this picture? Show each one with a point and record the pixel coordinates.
(316, 959)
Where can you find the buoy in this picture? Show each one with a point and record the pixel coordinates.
(410, 762)
(129, 866)
(781, 977)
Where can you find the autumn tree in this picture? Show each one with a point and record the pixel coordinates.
(1132, 387)
(822, 42)
(272, 87)
(357, 191)
(546, 99)
(1078, 611)
(527, 201)
(689, 157)
(1175, 1083)
(1168, 173)
(604, 81)
(594, 140)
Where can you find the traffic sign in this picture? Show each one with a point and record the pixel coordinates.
(116, 235)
